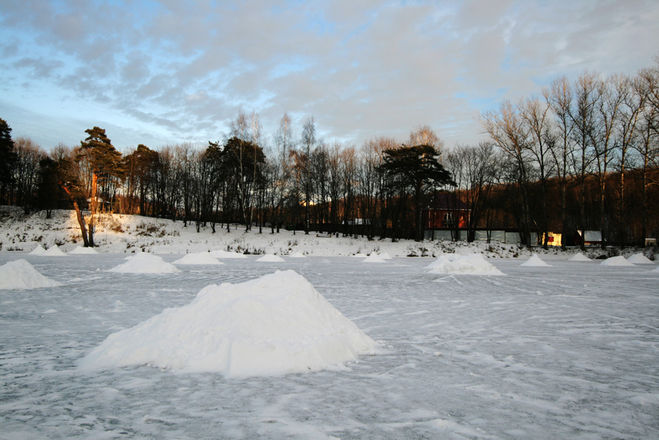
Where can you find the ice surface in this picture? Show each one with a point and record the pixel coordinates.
(79, 250)
(639, 258)
(567, 353)
(20, 274)
(467, 264)
(535, 261)
(616, 261)
(579, 257)
(198, 258)
(144, 263)
(269, 258)
(273, 325)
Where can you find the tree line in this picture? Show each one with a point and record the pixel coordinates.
(581, 156)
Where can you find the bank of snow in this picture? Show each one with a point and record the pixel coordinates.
(20, 274)
(79, 250)
(273, 325)
(269, 258)
(579, 257)
(469, 264)
(144, 263)
(616, 261)
(535, 261)
(204, 258)
(639, 258)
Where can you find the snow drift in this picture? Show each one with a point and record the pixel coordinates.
(639, 258)
(83, 251)
(145, 263)
(616, 261)
(272, 325)
(226, 254)
(469, 264)
(535, 261)
(198, 258)
(54, 251)
(579, 257)
(20, 274)
(39, 250)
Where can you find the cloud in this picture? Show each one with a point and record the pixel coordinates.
(182, 70)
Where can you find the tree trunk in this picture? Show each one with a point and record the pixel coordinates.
(94, 208)
(81, 220)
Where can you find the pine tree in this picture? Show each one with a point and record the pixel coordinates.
(7, 156)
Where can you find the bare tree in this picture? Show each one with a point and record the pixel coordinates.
(535, 114)
(560, 99)
(508, 131)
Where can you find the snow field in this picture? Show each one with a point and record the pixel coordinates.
(566, 352)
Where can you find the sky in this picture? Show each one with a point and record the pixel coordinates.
(166, 72)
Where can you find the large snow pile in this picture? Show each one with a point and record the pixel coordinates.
(579, 257)
(198, 258)
(145, 263)
(20, 274)
(39, 250)
(469, 264)
(269, 258)
(54, 251)
(275, 324)
(616, 261)
(83, 251)
(639, 259)
(535, 261)
(226, 254)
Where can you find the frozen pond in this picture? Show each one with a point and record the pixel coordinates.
(568, 351)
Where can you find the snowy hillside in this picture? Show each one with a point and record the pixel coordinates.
(118, 233)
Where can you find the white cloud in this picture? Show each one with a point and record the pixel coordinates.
(180, 71)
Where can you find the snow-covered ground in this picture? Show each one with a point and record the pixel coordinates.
(132, 233)
(567, 351)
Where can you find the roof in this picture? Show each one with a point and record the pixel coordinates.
(443, 201)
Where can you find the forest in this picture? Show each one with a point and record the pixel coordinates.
(582, 155)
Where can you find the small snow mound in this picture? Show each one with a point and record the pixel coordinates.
(297, 255)
(39, 250)
(20, 274)
(144, 263)
(83, 251)
(198, 258)
(375, 258)
(535, 261)
(639, 259)
(273, 325)
(617, 261)
(269, 258)
(468, 264)
(227, 255)
(54, 251)
(579, 257)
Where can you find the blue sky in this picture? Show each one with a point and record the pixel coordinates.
(166, 72)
